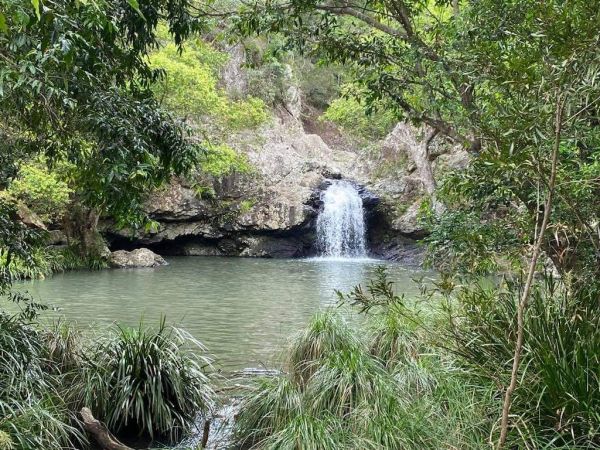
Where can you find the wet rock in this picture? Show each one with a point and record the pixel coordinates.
(141, 257)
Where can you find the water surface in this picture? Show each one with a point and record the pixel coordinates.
(242, 309)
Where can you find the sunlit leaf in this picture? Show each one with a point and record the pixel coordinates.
(36, 8)
(136, 6)
(3, 26)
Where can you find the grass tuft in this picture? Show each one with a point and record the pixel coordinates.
(147, 381)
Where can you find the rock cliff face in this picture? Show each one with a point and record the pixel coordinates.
(271, 212)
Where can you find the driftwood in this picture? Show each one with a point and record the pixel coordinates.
(100, 433)
(108, 441)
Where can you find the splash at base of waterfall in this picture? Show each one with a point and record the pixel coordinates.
(341, 224)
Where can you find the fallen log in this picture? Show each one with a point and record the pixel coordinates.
(101, 434)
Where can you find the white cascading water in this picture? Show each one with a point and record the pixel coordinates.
(341, 224)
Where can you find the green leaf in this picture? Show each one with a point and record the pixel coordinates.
(135, 5)
(36, 8)
(3, 26)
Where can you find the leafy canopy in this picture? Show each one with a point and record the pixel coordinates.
(490, 76)
(75, 85)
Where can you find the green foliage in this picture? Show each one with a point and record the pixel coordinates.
(484, 247)
(268, 69)
(319, 84)
(326, 334)
(350, 115)
(72, 257)
(45, 261)
(380, 294)
(221, 160)
(246, 205)
(18, 246)
(41, 190)
(62, 349)
(190, 87)
(33, 414)
(150, 382)
(373, 388)
(557, 400)
(270, 82)
(34, 267)
(6, 443)
(74, 85)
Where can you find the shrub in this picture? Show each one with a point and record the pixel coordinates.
(221, 160)
(319, 84)
(33, 415)
(352, 117)
(43, 191)
(151, 382)
(190, 87)
(557, 399)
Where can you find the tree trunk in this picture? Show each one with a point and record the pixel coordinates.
(81, 228)
(418, 151)
(522, 307)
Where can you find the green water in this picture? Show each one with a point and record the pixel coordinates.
(241, 309)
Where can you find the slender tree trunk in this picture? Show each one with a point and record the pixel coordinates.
(421, 158)
(537, 248)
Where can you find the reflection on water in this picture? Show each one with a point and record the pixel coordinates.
(242, 309)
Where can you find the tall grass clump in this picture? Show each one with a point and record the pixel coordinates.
(63, 343)
(557, 400)
(33, 413)
(149, 382)
(373, 385)
(269, 405)
(325, 334)
(45, 261)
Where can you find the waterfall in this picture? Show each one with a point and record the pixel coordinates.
(341, 224)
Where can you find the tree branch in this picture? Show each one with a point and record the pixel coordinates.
(369, 20)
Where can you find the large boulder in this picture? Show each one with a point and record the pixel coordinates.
(141, 257)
